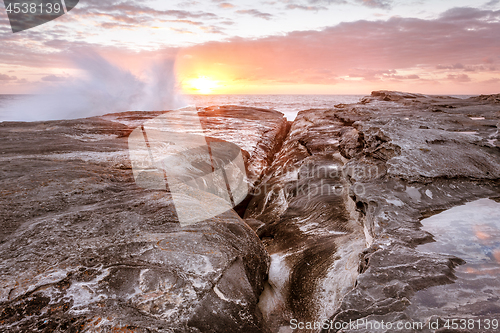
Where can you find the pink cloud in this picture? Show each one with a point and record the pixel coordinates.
(459, 77)
(376, 3)
(5, 77)
(226, 5)
(321, 4)
(53, 78)
(255, 13)
(302, 7)
(462, 39)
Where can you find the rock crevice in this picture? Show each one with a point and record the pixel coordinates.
(84, 249)
(332, 223)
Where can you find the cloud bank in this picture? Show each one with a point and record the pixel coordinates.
(398, 49)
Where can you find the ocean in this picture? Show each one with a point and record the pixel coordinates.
(290, 105)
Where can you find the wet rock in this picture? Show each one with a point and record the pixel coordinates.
(337, 205)
(428, 161)
(84, 249)
(312, 230)
(351, 143)
(256, 225)
(353, 254)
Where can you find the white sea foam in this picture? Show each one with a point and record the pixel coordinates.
(106, 88)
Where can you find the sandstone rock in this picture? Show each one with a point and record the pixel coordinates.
(399, 157)
(439, 152)
(84, 249)
(312, 230)
(337, 205)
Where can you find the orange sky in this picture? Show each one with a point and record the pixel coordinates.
(441, 56)
(283, 47)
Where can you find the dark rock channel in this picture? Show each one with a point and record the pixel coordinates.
(329, 233)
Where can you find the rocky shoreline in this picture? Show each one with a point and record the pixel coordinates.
(329, 232)
(84, 249)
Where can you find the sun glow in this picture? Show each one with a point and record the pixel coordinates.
(203, 85)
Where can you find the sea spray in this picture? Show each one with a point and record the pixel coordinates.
(106, 88)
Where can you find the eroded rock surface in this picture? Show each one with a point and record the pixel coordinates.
(312, 230)
(400, 157)
(431, 153)
(84, 249)
(258, 132)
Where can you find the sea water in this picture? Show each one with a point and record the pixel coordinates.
(472, 233)
(290, 105)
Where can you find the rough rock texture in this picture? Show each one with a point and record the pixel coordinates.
(430, 153)
(258, 132)
(312, 230)
(84, 249)
(399, 157)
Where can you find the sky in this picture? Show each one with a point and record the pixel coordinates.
(265, 47)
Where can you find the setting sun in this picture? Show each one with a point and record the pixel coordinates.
(202, 85)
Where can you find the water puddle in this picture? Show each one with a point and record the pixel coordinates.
(470, 232)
